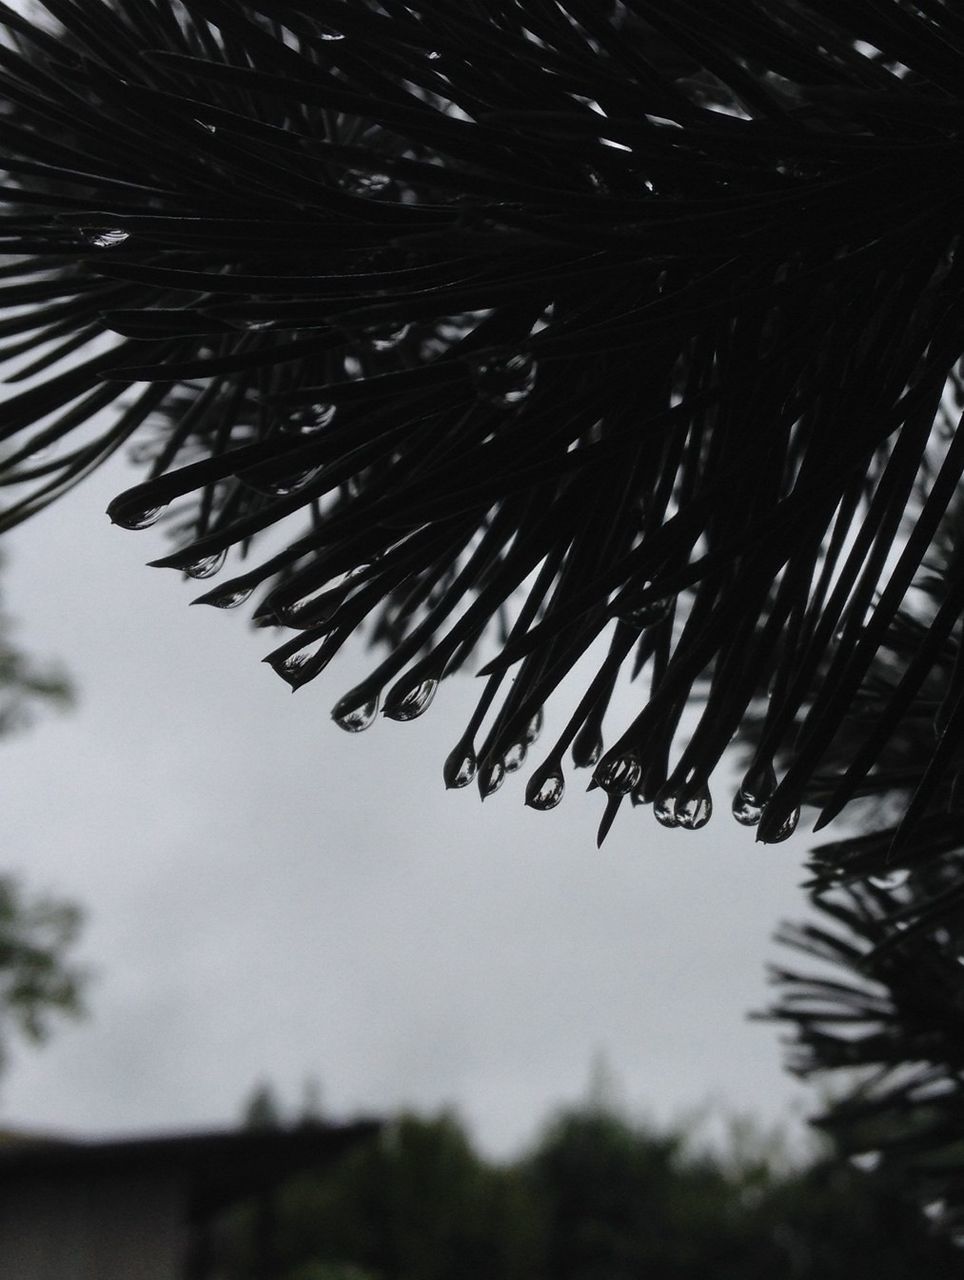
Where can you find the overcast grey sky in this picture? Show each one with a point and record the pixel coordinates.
(271, 898)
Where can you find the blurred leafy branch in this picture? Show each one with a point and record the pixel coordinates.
(26, 685)
(38, 981)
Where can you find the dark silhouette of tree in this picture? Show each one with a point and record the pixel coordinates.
(560, 323)
(597, 1195)
(882, 1007)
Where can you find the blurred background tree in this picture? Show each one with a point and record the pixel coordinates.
(598, 1196)
(38, 980)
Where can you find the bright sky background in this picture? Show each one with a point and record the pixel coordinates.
(270, 898)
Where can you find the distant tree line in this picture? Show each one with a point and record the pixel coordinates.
(598, 1196)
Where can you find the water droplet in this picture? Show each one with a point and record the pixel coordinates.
(313, 418)
(534, 727)
(664, 809)
(370, 184)
(460, 766)
(355, 719)
(206, 566)
(694, 809)
(587, 748)
(760, 782)
(546, 787)
(505, 381)
(211, 128)
(490, 777)
(283, 485)
(411, 702)
(895, 880)
(755, 790)
(788, 828)
(646, 615)
(107, 237)
(746, 811)
(299, 661)
(387, 337)
(226, 596)
(135, 517)
(433, 55)
(619, 776)
(515, 757)
(291, 667)
(326, 33)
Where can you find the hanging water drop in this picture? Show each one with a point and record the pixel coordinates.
(619, 776)
(313, 418)
(515, 756)
(460, 766)
(646, 615)
(760, 782)
(694, 809)
(226, 596)
(490, 777)
(785, 831)
(546, 787)
(206, 566)
(211, 128)
(134, 517)
(505, 381)
(107, 237)
(356, 718)
(664, 809)
(894, 880)
(755, 790)
(387, 337)
(412, 702)
(370, 184)
(284, 485)
(746, 811)
(291, 667)
(587, 748)
(534, 727)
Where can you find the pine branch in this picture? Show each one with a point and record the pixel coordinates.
(631, 321)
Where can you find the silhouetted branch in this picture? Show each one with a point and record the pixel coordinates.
(637, 319)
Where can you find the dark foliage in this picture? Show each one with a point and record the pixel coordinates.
(882, 1008)
(566, 322)
(598, 1197)
(39, 981)
(26, 684)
